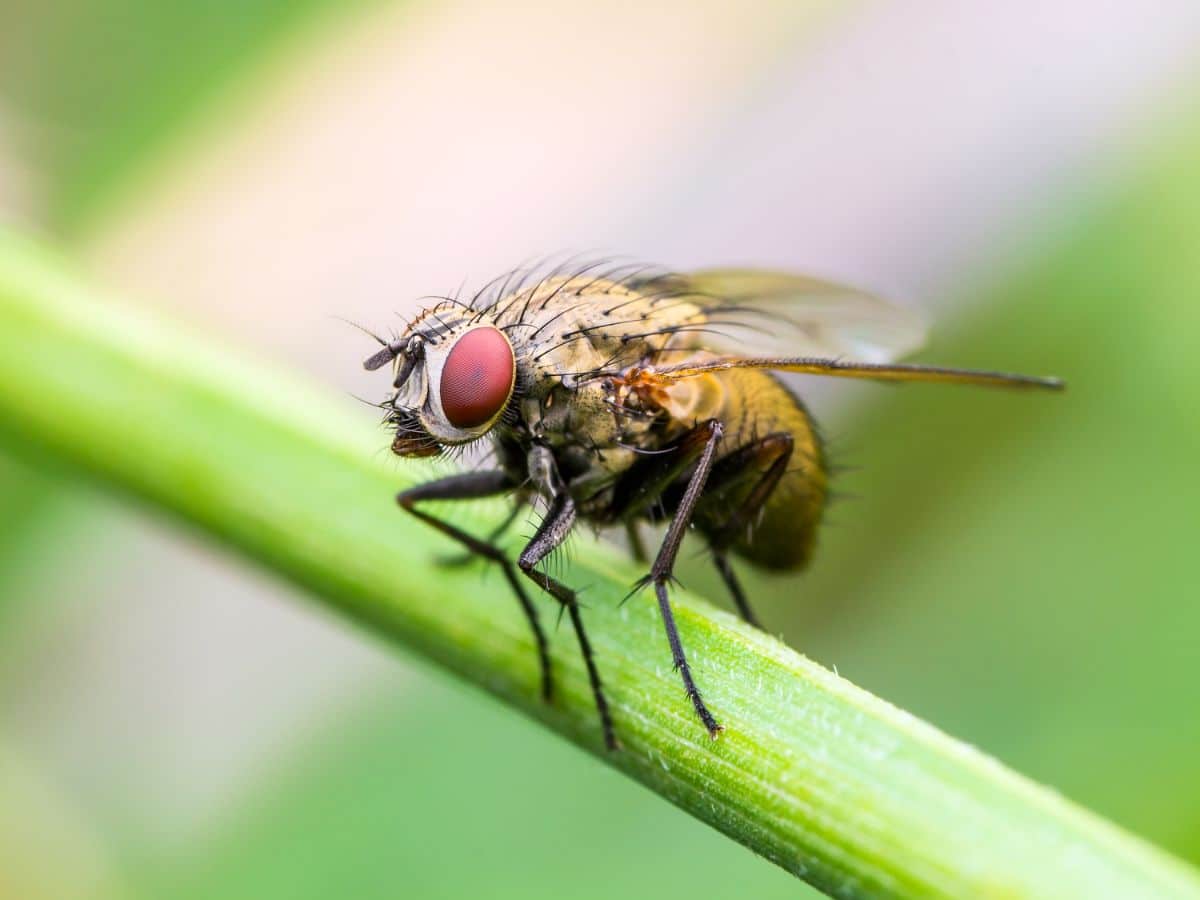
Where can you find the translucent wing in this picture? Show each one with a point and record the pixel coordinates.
(752, 312)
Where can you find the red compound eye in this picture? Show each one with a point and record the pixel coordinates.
(477, 379)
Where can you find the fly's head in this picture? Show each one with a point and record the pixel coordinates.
(453, 384)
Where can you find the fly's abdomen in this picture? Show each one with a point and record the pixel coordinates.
(762, 420)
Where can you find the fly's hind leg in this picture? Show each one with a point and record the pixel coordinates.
(661, 570)
(734, 586)
(769, 455)
(637, 547)
(470, 486)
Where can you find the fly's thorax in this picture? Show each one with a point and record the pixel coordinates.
(581, 325)
(684, 403)
(695, 400)
(561, 415)
(587, 439)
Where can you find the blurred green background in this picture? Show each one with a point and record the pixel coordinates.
(1017, 570)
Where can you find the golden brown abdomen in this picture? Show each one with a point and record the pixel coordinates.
(783, 535)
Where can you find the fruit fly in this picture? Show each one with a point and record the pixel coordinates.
(621, 396)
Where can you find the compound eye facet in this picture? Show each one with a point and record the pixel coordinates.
(477, 378)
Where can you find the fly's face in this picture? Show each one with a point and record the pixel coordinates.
(452, 385)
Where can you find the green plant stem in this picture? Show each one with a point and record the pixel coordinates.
(831, 783)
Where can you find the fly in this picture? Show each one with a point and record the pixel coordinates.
(622, 396)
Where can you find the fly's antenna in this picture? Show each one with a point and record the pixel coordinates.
(411, 348)
(367, 331)
(391, 349)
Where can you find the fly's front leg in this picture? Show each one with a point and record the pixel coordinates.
(550, 534)
(471, 486)
(461, 559)
(661, 571)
